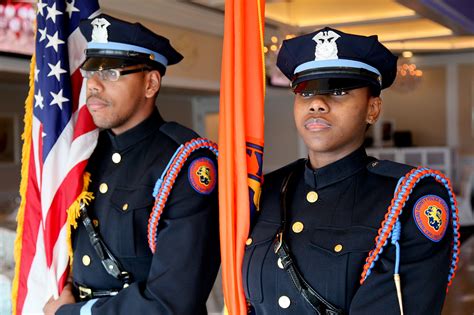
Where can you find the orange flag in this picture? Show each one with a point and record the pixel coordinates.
(240, 138)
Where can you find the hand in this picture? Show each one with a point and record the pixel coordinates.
(66, 297)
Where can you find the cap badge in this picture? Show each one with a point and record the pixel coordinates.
(326, 47)
(99, 32)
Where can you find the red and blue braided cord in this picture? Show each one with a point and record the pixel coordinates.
(165, 183)
(401, 196)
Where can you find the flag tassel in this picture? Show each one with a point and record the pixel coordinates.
(74, 212)
(25, 155)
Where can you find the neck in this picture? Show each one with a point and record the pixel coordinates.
(141, 113)
(321, 159)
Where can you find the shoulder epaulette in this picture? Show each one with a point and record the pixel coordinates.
(389, 168)
(177, 132)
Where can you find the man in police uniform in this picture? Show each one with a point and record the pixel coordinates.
(320, 216)
(124, 67)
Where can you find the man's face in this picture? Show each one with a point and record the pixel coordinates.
(118, 105)
(334, 124)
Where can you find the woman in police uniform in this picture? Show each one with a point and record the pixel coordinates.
(320, 217)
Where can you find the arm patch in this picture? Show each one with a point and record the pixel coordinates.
(431, 214)
(202, 175)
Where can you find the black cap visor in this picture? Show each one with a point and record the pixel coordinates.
(104, 63)
(325, 86)
(327, 80)
(103, 59)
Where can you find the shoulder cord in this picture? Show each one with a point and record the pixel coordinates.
(391, 226)
(165, 183)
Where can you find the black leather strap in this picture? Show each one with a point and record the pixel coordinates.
(109, 262)
(320, 305)
(317, 302)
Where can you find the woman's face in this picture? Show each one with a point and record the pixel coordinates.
(333, 125)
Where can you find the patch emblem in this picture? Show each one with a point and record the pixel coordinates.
(202, 175)
(326, 47)
(431, 216)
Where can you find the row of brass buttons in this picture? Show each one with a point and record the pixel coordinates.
(297, 227)
(103, 188)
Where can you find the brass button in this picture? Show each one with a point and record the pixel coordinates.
(284, 301)
(103, 188)
(249, 241)
(279, 263)
(338, 248)
(116, 158)
(297, 227)
(312, 196)
(86, 260)
(374, 164)
(95, 222)
(125, 207)
(125, 285)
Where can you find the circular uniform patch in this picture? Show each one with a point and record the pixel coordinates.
(431, 216)
(202, 175)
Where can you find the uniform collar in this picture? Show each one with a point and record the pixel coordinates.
(137, 133)
(337, 171)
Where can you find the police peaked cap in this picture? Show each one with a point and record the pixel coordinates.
(328, 59)
(114, 43)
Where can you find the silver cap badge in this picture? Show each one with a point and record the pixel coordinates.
(326, 47)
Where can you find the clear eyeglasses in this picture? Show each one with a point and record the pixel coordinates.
(111, 74)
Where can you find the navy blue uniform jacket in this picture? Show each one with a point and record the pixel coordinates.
(177, 279)
(331, 237)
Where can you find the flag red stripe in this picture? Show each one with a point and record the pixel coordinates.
(31, 223)
(85, 123)
(66, 194)
(62, 281)
(76, 85)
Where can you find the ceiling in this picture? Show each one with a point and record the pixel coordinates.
(415, 25)
(422, 26)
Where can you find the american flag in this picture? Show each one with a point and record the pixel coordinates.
(59, 137)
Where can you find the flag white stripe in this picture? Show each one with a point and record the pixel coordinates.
(76, 44)
(36, 125)
(62, 157)
(37, 295)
